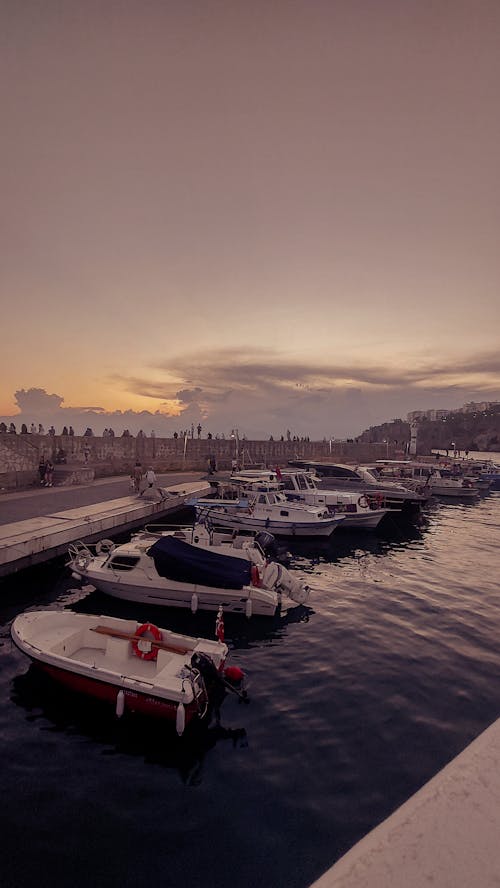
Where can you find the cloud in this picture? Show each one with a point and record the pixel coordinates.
(261, 393)
(37, 401)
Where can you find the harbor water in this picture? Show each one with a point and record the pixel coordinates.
(357, 700)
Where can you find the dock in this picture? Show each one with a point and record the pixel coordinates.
(445, 835)
(35, 540)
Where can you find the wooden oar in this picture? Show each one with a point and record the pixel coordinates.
(161, 645)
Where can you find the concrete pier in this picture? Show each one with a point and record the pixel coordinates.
(34, 540)
(446, 835)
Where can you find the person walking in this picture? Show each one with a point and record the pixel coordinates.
(49, 473)
(41, 470)
(137, 475)
(151, 478)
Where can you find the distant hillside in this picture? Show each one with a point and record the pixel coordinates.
(468, 431)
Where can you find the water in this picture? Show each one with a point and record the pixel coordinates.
(356, 701)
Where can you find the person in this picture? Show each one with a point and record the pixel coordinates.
(71, 431)
(32, 429)
(41, 430)
(136, 476)
(86, 452)
(151, 482)
(49, 473)
(151, 477)
(41, 470)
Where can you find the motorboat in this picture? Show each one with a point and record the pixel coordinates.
(300, 486)
(359, 512)
(135, 668)
(404, 503)
(261, 506)
(426, 477)
(194, 567)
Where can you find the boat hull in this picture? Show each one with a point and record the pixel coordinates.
(304, 529)
(135, 702)
(264, 602)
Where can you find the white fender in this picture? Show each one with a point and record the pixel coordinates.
(194, 603)
(299, 592)
(248, 607)
(120, 703)
(180, 719)
(271, 575)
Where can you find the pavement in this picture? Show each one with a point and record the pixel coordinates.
(19, 505)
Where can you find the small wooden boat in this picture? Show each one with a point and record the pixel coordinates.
(136, 668)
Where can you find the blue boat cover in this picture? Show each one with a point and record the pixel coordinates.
(177, 560)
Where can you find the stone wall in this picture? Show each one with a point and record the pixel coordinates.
(20, 454)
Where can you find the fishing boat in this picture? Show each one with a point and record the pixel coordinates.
(194, 567)
(135, 668)
(262, 506)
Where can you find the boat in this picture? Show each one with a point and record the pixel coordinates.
(261, 506)
(359, 512)
(196, 567)
(302, 487)
(138, 669)
(426, 477)
(405, 504)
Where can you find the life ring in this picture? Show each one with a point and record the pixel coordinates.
(82, 561)
(255, 576)
(363, 502)
(143, 647)
(104, 546)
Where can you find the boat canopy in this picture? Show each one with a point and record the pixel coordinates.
(178, 560)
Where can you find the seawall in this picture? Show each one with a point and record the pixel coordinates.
(88, 457)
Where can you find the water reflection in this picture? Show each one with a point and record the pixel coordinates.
(53, 708)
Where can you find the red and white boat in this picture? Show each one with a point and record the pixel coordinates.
(136, 668)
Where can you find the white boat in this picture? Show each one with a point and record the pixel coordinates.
(425, 477)
(135, 668)
(194, 567)
(359, 511)
(405, 503)
(264, 507)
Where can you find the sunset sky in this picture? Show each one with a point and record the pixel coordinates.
(264, 215)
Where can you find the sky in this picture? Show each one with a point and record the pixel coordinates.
(269, 216)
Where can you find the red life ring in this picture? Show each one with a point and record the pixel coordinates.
(144, 648)
(255, 576)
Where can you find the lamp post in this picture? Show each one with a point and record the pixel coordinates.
(234, 434)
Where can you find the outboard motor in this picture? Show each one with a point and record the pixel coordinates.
(267, 543)
(206, 668)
